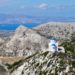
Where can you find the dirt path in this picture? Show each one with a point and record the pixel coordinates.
(10, 60)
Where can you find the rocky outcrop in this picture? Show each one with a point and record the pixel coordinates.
(57, 29)
(3, 70)
(45, 64)
(26, 41)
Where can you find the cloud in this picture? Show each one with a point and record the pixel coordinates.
(55, 7)
(42, 6)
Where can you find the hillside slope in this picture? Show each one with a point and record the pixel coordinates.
(60, 30)
(45, 64)
(26, 40)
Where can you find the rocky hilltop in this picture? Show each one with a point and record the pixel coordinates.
(29, 44)
(60, 30)
(26, 40)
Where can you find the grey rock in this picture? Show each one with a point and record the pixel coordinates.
(4, 70)
(60, 30)
(25, 40)
(57, 64)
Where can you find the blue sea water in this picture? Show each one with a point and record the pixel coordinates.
(14, 26)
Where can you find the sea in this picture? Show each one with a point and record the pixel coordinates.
(14, 26)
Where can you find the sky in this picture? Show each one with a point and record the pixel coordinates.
(50, 8)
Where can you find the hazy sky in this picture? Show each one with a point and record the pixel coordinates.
(56, 8)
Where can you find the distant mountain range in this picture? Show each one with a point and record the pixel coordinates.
(22, 19)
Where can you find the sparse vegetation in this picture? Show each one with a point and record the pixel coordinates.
(38, 62)
(48, 64)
